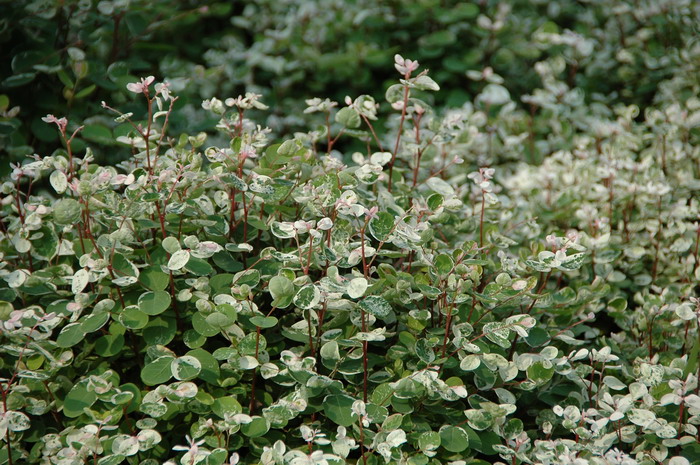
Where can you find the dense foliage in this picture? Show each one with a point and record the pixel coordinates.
(508, 279)
(64, 57)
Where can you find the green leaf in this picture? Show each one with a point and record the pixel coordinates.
(425, 351)
(425, 82)
(154, 302)
(357, 287)
(441, 38)
(338, 408)
(307, 297)
(70, 335)
(80, 280)
(171, 244)
(112, 459)
(158, 371)
(282, 230)
(264, 321)
(65, 78)
(18, 80)
(186, 367)
(59, 181)
(97, 133)
(282, 291)
(288, 148)
(256, 428)
(435, 201)
(77, 399)
(160, 331)
(540, 374)
(376, 305)
(154, 279)
(512, 428)
(470, 362)
(199, 267)
(329, 351)
(217, 457)
(454, 438)
(249, 277)
(381, 225)
(84, 93)
(348, 117)
(133, 318)
(497, 332)
(210, 366)
(203, 327)
(136, 22)
(429, 440)
(178, 260)
(444, 264)
(537, 337)
(226, 406)
(95, 321)
(109, 345)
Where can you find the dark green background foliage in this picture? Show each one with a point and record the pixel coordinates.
(493, 261)
(65, 57)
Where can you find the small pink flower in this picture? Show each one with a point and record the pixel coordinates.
(192, 447)
(404, 66)
(248, 151)
(19, 171)
(60, 122)
(140, 87)
(73, 307)
(371, 212)
(15, 320)
(163, 89)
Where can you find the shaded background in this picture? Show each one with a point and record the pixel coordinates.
(66, 56)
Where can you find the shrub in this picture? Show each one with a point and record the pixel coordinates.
(232, 298)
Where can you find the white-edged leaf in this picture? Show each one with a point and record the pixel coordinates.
(171, 244)
(58, 181)
(80, 280)
(185, 367)
(248, 362)
(470, 362)
(357, 287)
(125, 445)
(178, 260)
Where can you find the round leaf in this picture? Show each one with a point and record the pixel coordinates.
(376, 305)
(338, 408)
(154, 302)
(185, 367)
(178, 260)
(158, 371)
(454, 438)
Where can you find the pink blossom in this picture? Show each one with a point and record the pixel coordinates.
(404, 66)
(15, 320)
(140, 87)
(163, 89)
(192, 447)
(60, 122)
(248, 151)
(73, 306)
(19, 171)
(371, 212)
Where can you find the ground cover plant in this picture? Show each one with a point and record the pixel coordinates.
(397, 283)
